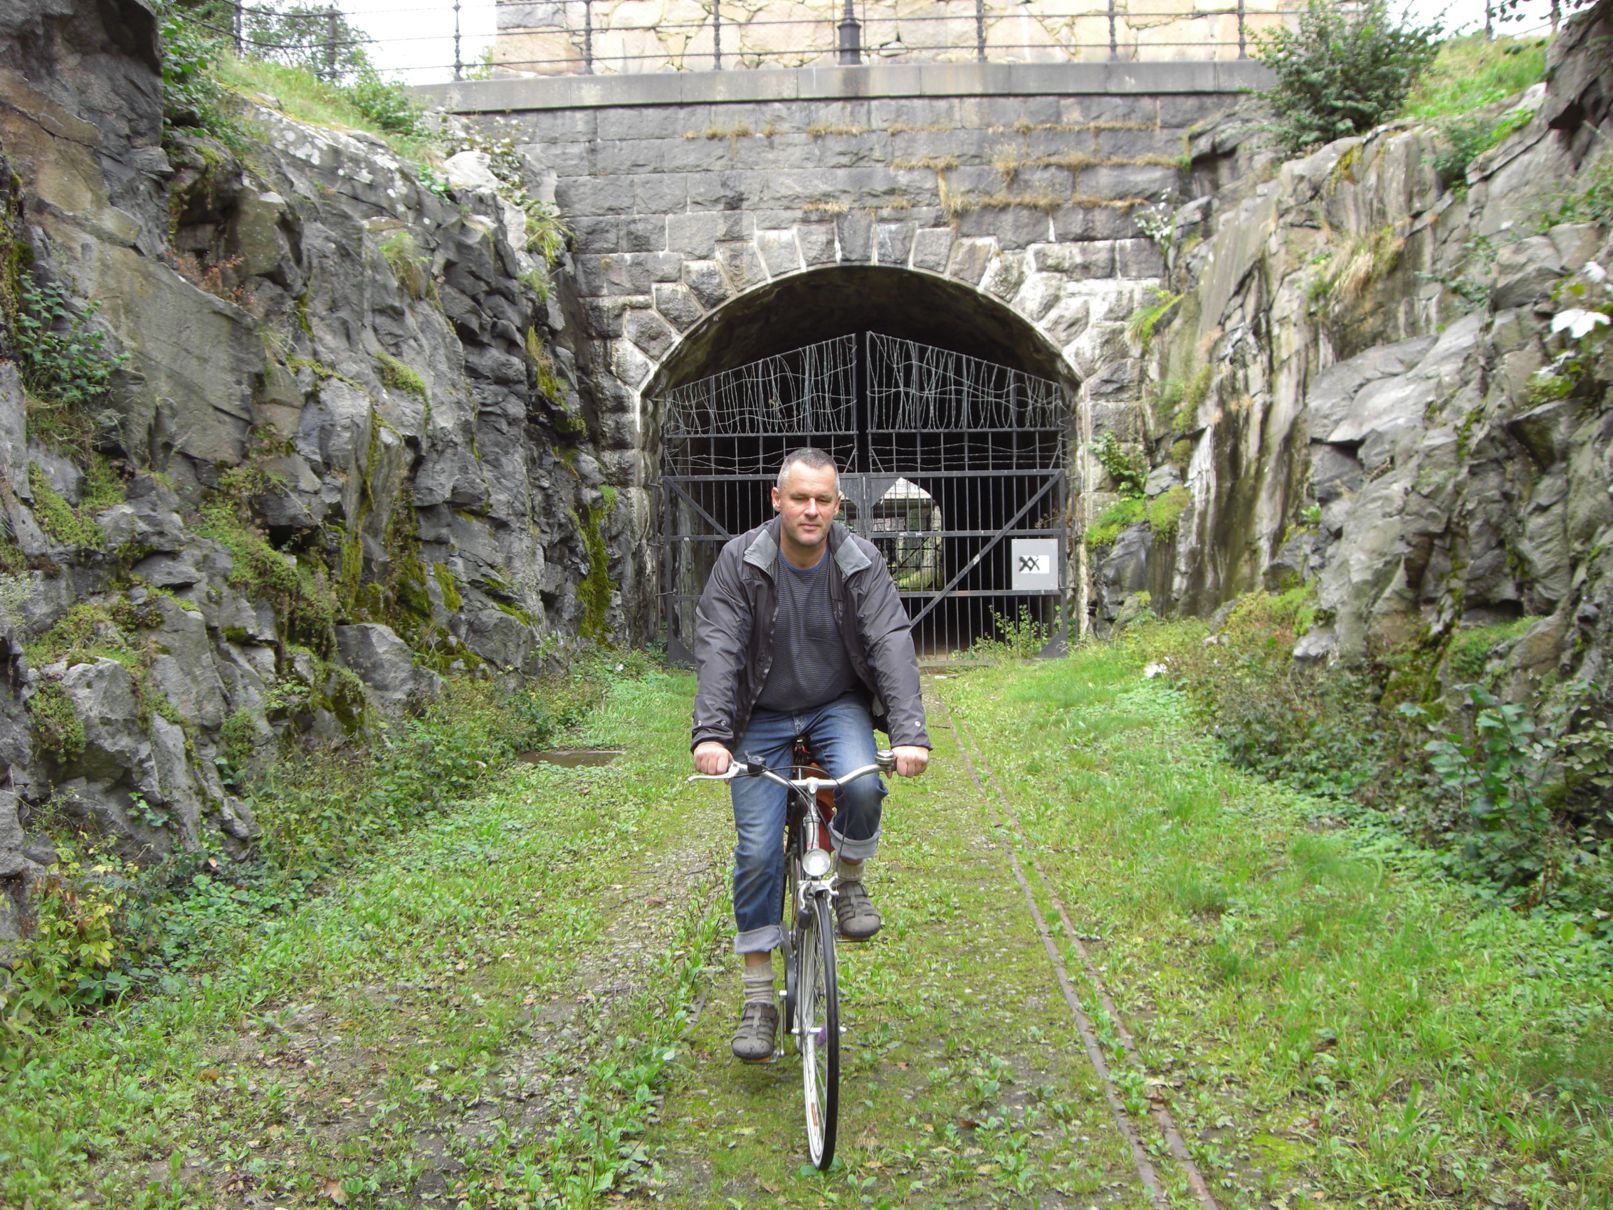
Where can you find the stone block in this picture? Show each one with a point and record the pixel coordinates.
(588, 196)
(716, 191)
(1076, 261)
(1120, 181)
(599, 236)
(908, 113)
(932, 248)
(1004, 276)
(644, 234)
(1084, 224)
(779, 251)
(696, 234)
(639, 122)
(660, 193)
(969, 258)
(651, 333)
(893, 243)
(706, 281)
(855, 230)
(1138, 258)
(677, 305)
(1013, 226)
(817, 242)
(629, 364)
(741, 264)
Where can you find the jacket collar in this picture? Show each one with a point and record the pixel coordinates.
(849, 557)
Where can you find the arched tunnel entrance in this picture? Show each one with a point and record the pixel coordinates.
(949, 416)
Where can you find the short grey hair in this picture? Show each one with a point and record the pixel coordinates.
(810, 457)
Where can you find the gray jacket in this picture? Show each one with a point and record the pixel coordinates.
(733, 640)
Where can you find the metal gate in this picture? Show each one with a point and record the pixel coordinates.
(954, 467)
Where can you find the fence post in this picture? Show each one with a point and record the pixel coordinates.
(588, 37)
(716, 32)
(332, 15)
(1114, 41)
(1243, 45)
(237, 19)
(851, 52)
(458, 66)
(980, 31)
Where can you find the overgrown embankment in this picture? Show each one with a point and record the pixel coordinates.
(477, 1011)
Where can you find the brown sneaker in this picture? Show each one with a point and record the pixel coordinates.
(753, 1040)
(858, 919)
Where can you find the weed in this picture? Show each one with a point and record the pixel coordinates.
(401, 376)
(65, 365)
(1121, 515)
(1140, 327)
(1128, 470)
(59, 519)
(1342, 72)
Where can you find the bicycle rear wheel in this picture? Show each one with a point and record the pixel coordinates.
(817, 1013)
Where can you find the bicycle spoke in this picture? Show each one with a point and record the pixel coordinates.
(818, 1013)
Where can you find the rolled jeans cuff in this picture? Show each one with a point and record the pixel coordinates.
(759, 941)
(854, 850)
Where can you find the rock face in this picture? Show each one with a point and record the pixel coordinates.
(346, 446)
(1382, 403)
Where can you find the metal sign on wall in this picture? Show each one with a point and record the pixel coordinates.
(1035, 564)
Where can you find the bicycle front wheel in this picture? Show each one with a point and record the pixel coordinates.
(817, 1014)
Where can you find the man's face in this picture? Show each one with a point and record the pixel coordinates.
(807, 503)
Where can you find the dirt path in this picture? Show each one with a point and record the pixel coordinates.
(967, 1080)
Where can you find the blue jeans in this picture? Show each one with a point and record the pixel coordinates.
(842, 738)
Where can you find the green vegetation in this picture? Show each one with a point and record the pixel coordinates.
(299, 589)
(1469, 73)
(1592, 202)
(401, 376)
(56, 723)
(408, 265)
(1414, 740)
(472, 918)
(458, 1015)
(1343, 71)
(59, 519)
(1165, 510)
(65, 363)
(1469, 138)
(1122, 514)
(1329, 1018)
(1128, 470)
(1140, 327)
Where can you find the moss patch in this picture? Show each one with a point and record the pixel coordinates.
(58, 518)
(56, 723)
(593, 594)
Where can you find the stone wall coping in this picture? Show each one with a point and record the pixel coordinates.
(845, 83)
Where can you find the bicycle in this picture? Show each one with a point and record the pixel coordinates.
(811, 988)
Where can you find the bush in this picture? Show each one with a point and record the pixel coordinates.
(1343, 71)
(65, 364)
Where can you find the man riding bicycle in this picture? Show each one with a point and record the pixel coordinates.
(800, 632)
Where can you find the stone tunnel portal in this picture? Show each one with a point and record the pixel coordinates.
(949, 416)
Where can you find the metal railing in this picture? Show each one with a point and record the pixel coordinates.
(422, 42)
(574, 39)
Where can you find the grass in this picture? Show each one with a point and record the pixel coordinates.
(1335, 1020)
(301, 95)
(1470, 73)
(527, 1000)
(456, 995)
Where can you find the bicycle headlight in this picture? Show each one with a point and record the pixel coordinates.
(815, 863)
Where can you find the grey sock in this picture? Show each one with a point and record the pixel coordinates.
(758, 984)
(849, 871)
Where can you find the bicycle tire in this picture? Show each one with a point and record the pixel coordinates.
(818, 1030)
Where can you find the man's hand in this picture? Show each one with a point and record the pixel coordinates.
(910, 760)
(711, 757)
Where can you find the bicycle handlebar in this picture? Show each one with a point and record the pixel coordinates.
(884, 762)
